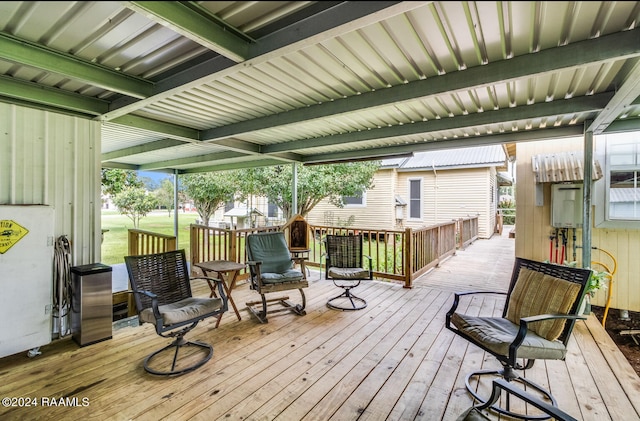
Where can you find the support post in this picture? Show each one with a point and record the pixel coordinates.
(294, 190)
(586, 197)
(175, 205)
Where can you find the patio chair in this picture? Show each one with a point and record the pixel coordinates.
(541, 310)
(345, 267)
(162, 290)
(272, 269)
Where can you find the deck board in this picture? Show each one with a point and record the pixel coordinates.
(393, 360)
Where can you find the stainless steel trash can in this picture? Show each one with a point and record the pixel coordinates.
(91, 306)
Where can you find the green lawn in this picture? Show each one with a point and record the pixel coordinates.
(114, 246)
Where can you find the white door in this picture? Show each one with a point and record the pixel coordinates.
(26, 281)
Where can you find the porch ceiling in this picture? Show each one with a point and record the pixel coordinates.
(200, 86)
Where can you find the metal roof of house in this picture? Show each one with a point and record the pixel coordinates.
(197, 86)
(481, 156)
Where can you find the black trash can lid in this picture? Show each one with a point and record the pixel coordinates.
(91, 268)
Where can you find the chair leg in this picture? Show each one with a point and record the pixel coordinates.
(509, 375)
(283, 301)
(178, 343)
(342, 301)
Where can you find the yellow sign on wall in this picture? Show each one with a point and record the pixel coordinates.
(10, 233)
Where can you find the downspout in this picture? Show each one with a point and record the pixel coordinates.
(435, 192)
(586, 197)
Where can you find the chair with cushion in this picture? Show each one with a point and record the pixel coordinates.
(541, 310)
(345, 267)
(162, 289)
(272, 269)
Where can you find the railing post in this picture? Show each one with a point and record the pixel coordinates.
(193, 245)
(233, 246)
(133, 243)
(408, 257)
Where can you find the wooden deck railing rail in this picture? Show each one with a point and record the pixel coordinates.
(209, 243)
(398, 255)
(147, 242)
(143, 242)
(386, 248)
(467, 231)
(430, 245)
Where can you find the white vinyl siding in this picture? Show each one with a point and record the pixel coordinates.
(379, 212)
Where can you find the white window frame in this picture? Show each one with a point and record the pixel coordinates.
(411, 201)
(270, 206)
(362, 204)
(604, 146)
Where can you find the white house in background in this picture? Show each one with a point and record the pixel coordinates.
(426, 189)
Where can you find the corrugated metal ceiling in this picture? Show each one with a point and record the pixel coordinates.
(194, 86)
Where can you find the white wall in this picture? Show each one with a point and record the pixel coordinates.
(54, 159)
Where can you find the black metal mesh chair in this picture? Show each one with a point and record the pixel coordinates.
(345, 267)
(540, 312)
(161, 286)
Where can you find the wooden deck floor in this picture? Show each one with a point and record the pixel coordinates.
(393, 360)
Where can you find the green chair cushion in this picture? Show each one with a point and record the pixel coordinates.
(290, 275)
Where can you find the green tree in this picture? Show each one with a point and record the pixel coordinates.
(315, 183)
(135, 203)
(209, 191)
(164, 195)
(115, 180)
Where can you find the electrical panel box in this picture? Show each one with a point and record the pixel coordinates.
(566, 205)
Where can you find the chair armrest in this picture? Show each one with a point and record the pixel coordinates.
(253, 262)
(456, 302)
(541, 317)
(154, 306)
(524, 328)
(457, 295)
(147, 293)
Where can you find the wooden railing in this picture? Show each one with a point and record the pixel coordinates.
(467, 231)
(386, 248)
(397, 255)
(210, 243)
(147, 242)
(431, 245)
(143, 242)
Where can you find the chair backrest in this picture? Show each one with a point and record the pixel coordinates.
(164, 274)
(541, 288)
(271, 249)
(344, 251)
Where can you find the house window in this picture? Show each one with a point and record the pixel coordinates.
(623, 180)
(355, 201)
(228, 206)
(415, 198)
(272, 210)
